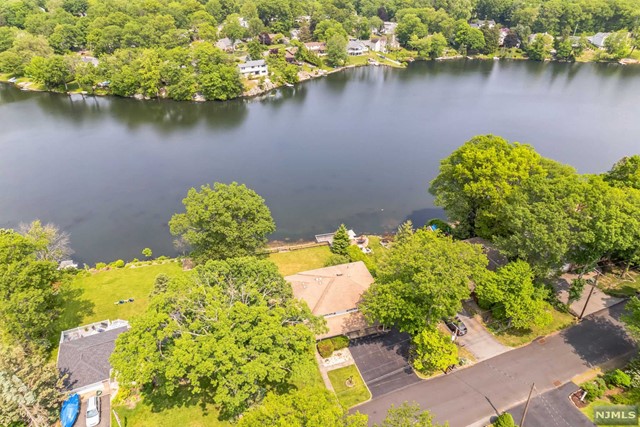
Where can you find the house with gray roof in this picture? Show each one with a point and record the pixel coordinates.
(598, 39)
(84, 355)
(254, 68)
(356, 47)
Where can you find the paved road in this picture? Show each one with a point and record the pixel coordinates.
(469, 396)
(552, 409)
(478, 340)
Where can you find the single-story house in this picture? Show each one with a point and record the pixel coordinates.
(319, 48)
(356, 47)
(598, 39)
(254, 68)
(226, 44)
(482, 23)
(90, 60)
(84, 355)
(334, 293)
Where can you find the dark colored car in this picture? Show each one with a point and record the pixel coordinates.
(456, 325)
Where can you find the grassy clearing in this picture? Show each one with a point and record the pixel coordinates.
(613, 284)
(517, 338)
(588, 410)
(300, 260)
(90, 298)
(349, 396)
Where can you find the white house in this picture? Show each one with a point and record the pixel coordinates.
(254, 68)
(389, 27)
(598, 39)
(356, 48)
(481, 23)
(377, 44)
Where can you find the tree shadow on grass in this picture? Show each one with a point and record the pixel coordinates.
(75, 308)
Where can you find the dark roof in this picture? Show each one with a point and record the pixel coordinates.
(86, 360)
(496, 259)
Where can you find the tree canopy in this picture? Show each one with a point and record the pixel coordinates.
(225, 221)
(421, 279)
(341, 241)
(226, 333)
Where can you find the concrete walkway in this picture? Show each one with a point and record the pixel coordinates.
(480, 342)
(598, 301)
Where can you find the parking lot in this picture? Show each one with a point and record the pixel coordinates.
(383, 362)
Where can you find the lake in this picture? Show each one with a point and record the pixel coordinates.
(358, 147)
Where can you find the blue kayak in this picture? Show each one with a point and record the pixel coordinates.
(70, 411)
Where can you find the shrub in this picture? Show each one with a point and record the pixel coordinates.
(325, 348)
(504, 420)
(633, 370)
(101, 265)
(595, 389)
(631, 397)
(340, 342)
(118, 264)
(617, 378)
(336, 260)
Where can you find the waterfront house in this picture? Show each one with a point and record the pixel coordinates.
(598, 39)
(389, 27)
(319, 48)
(479, 23)
(84, 355)
(334, 293)
(356, 48)
(227, 45)
(376, 44)
(290, 55)
(254, 68)
(504, 32)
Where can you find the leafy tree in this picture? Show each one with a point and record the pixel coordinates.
(337, 51)
(467, 38)
(410, 25)
(564, 49)
(75, 7)
(7, 36)
(511, 294)
(422, 279)
(617, 44)
(438, 45)
(30, 388)
(255, 49)
(408, 414)
(433, 351)
(28, 301)
(631, 318)
(229, 332)
(221, 82)
(477, 177)
(223, 222)
(341, 241)
(625, 173)
(540, 48)
(160, 285)
(50, 243)
(232, 28)
(404, 232)
(326, 29)
(307, 407)
(511, 40)
(491, 38)
(147, 252)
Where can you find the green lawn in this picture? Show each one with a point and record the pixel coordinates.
(588, 410)
(300, 260)
(516, 338)
(349, 396)
(90, 298)
(613, 284)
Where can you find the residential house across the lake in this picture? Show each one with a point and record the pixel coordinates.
(319, 48)
(254, 68)
(598, 39)
(483, 23)
(377, 44)
(227, 45)
(356, 47)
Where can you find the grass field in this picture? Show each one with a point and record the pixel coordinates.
(301, 260)
(90, 298)
(588, 410)
(349, 396)
(516, 338)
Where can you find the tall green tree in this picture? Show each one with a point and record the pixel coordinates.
(408, 415)
(341, 241)
(625, 173)
(337, 51)
(433, 351)
(223, 222)
(422, 279)
(511, 295)
(30, 388)
(28, 298)
(477, 177)
(227, 333)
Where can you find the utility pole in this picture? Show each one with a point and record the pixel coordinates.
(593, 288)
(526, 407)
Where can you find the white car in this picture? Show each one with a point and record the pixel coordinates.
(93, 411)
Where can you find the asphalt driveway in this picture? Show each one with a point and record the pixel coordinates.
(473, 395)
(478, 340)
(383, 362)
(105, 412)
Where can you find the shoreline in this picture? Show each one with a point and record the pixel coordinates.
(29, 86)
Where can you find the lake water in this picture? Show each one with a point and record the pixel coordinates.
(358, 147)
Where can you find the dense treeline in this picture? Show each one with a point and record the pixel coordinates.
(166, 48)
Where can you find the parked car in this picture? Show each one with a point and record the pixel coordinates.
(456, 325)
(93, 411)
